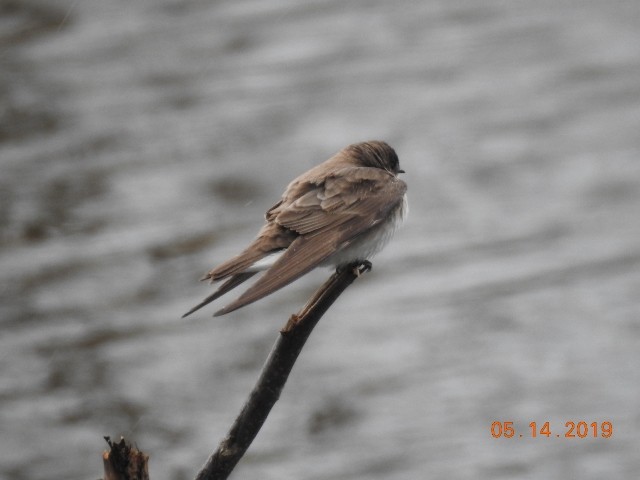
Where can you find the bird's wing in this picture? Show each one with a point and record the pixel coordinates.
(327, 218)
(311, 208)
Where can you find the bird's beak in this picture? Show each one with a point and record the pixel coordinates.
(401, 171)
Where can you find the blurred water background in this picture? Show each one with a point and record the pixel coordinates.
(140, 144)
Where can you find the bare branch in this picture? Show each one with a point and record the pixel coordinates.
(124, 462)
(275, 373)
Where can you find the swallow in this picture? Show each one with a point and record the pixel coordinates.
(343, 211)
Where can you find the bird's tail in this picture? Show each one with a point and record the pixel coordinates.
(230, 284)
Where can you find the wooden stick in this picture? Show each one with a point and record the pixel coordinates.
(124, 462)
(275, 373)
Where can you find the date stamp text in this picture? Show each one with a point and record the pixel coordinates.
(571, 429)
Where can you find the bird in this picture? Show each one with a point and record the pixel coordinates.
(339, 212)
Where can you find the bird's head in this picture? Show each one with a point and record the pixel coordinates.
(375, 154)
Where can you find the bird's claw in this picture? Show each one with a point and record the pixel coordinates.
(362, 267)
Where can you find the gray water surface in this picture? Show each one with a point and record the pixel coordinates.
(141, 143)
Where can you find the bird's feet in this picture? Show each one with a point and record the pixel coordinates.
(358, 268)
(362, 267)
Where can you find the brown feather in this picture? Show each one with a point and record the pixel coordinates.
(230, 284)
(324, 211)
(313, 247)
